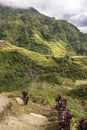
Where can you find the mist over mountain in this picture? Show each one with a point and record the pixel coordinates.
(4, 8)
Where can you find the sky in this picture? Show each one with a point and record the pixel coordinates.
(74, 11)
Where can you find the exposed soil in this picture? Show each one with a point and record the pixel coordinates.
(29, 117)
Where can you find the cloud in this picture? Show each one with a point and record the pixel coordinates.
(58, 9)
(75, 11)
(79, 19)
(83, 29)
(18, 3)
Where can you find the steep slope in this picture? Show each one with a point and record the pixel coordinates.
(34, 31)
(43, 56)
(19, 67)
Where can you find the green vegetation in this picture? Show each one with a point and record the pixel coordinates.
(82, 60)
(20, 70)
(46, 93)
(76, 108)
(34, 31)
(18, 67)
(80, 92)
(68, 68)
(43, 56)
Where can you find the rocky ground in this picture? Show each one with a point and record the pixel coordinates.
(16, 116)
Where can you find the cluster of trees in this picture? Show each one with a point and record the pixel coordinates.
(19, 26)
(16, 70)
(68, 68)
(19, 70)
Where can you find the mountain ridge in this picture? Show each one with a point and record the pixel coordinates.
(32, 30)
(17, 9)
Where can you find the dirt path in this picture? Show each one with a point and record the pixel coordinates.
(20, 117)
(26, 117)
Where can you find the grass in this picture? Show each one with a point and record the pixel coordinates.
(27, 70)
(38, 58)
(80, 82)
(34, 56)
(82, 60)
(45, 90)
(57, 48)
(76, 108)
(48, 92)
(79, 92)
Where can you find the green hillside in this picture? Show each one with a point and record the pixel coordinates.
(43, 77)
(34, 31)
(19, 67)
(44, 56)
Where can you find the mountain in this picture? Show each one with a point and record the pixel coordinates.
(9, 10)
(43, 56)
(39, 46)
(51, 47)
(29, 29)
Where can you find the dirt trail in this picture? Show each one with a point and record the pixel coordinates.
(20, 117)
